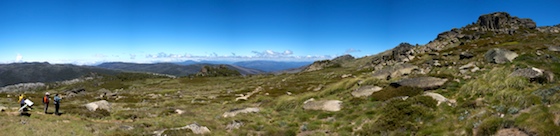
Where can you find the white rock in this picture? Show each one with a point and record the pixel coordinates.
(325, 105)
(234, 112)
(102, 104)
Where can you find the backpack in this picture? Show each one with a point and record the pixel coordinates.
(46, 99)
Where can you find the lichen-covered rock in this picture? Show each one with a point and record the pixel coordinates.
(234, 112)
(365, 91)
(421, 82)
(325, 105)
(534, 74)
(500, 56)
(102, 104)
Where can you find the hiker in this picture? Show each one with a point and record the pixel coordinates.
(56, 104)
(46, 101)
(21, 100)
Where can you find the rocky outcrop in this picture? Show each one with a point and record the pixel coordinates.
(534, 74)
(421, 82)
(394, 71)
(343, 59)
(499, 56)
(102, 104)
(404, 52)
(22, 87)
(549, 29)
(234, 112)
(336, 62)
(365, 91)
(325, 105)
(487, 25)
(500, 21)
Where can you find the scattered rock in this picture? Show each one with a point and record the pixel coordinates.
(178, 111)
(465, 55)
(554, 48)
(510, 132)
(318, 88)
(288, 93)
(126, 127)
(102, 104)
(234, 125)
(195, 128)
(394, 71)
(421, 82)
(234, 112)
(246, 97)
(439, 98)
(2, 108)
(325, 105)
(346, 76)
(534, 74)
(365, 91)
(499, 56)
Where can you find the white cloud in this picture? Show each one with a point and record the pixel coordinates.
(19, 58)
(132, 56)
(352, 50)
(286, 55)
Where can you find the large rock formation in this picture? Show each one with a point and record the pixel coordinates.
(499, 21)
(421, 82)
(499, 56)
(325, 105)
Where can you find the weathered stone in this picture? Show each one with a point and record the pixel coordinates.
(421, 82)
(365, 91)
(465, 55)
(394, 71)
(554, 48)
(499, 56)
(534, 74)
(439, 98)
(234, 112)
(2, 108)
(234, 125)
(510, 132)
(102, 104)
(325, 105)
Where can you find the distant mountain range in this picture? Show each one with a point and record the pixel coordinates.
(170, 68)
(44, 72)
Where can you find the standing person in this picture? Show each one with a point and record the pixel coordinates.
(56, 104)
(21, 99)
(46, 101)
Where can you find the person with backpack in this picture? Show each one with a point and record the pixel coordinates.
(46, 101)
(56, 104)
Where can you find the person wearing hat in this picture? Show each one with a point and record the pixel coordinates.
(56, 104)
(46, 101)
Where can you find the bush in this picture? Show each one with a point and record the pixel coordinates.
(391, 92)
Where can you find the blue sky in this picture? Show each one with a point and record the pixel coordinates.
(92, 31)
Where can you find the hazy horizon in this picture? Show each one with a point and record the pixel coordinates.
(138, 31)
